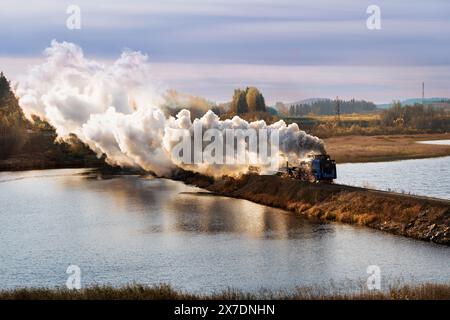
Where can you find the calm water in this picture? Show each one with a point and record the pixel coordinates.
(438, 142)
(427, 177)
(135, 229)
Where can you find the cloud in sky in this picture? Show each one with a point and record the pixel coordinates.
(297, 41)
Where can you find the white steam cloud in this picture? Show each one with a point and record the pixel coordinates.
(116, 110)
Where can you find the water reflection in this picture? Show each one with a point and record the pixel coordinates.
(180, 208)
(123, 229)
(213, 214)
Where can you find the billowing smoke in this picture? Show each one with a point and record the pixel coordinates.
(117, 109)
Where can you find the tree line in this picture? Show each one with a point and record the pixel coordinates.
(12, 120)
(248, 100)
(418, 116)
(328, 107)
(19, 136)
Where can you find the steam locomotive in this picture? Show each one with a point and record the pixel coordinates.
(320, 167)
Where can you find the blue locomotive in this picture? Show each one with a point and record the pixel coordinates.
(319, 167)
(323, 168)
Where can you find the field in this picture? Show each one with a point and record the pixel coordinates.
(346, 120)
(349, 117)
(385, 148)
(426, 291)
(399, 120)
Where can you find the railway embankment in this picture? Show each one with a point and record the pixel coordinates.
(417, 217)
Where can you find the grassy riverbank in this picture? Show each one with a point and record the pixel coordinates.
(425, 291)
(412, 216)
(385, 148)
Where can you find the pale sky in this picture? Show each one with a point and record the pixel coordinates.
(289, 49)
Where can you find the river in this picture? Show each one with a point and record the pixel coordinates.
(126, 229)
(427, 177)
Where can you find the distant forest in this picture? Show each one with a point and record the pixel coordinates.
(328, 107)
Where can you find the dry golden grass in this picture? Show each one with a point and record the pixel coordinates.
(348, 117)
(427, 291)
(413, 216)
(385, 148)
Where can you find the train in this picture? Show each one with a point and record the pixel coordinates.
(318, 168)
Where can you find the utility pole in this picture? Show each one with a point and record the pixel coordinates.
(423, 93)
(338, 110)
